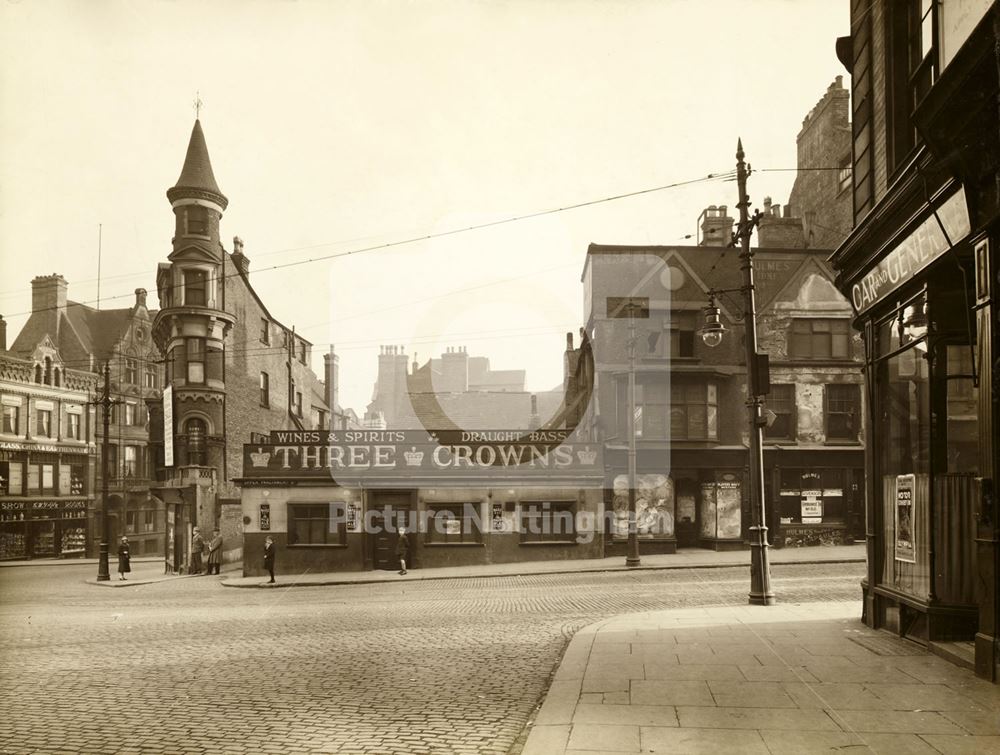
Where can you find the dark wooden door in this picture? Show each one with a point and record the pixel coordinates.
(389, 512)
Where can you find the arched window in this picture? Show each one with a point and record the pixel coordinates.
(48, 371)
(57, 381)
(38, 373)
(196, 441)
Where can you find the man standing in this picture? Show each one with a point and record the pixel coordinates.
(215, 552)
(197, 546)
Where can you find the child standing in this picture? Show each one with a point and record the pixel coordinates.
(402, 549)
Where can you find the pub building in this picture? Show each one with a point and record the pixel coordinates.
(920, 269)
(334, 501)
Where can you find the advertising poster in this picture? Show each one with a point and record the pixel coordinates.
(708, 521)
(265, 516)
(496, 517)
(905, 550)
(728, 500)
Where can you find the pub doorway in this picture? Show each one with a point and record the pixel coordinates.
(387, 513)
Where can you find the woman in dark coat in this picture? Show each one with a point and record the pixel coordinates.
(269, 557)
(123, 558)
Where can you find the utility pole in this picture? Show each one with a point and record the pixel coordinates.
(105, 402)
(760, 569)
(632, 559)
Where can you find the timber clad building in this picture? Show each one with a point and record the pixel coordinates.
(921, 271)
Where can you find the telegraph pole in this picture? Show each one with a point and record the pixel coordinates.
(760, 569)
(105, 402)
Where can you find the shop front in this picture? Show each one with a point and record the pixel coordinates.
(925, 381)
(337, 501)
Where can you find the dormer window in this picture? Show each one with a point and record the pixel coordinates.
(48, 371)
(197, 220)
(195, 288)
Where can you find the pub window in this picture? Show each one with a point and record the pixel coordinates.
(265, 390)
(149, 379)
(453, 524)
(197, 220)
(781, 401)
(843, 412)
(317, 524)
(195, 441)
(73, 426)
(548, 522)
(195, 360)
(43, 423)
(265, 331)
(131, 371)
(819, 339)
(196, 288)
(11, 419)
(693, 411)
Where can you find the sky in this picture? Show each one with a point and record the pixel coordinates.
(338, 126)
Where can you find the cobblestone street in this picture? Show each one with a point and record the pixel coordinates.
(443, 666)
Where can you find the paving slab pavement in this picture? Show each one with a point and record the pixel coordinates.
(694, 558)
(798, 678)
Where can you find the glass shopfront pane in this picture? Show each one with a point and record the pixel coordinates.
(962, 423)
(904, 408)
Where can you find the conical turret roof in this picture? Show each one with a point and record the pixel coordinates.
(197, 179)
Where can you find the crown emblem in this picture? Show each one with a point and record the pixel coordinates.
(413, 457)
(260, 457)
(587, 456)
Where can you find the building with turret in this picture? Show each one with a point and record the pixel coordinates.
(232, 369)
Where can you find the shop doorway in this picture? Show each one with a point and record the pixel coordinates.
(388, 512)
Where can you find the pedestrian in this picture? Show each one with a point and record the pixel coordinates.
(402, 549)
(124, 560)
(269, 557)
(197, 546)
(215, 552)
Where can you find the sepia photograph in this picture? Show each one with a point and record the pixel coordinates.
(521, 377)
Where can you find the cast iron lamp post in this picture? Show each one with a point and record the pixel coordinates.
(757, 364)
(105, 402)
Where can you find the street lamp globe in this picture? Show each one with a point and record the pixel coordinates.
(713, 330)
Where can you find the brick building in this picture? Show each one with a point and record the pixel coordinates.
(85, 339)
(47, 453)
(920, 268)
(233, 369)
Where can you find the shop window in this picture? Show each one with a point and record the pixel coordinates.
(47, 478)
(843, 412)
(195, 360)
(11, 419)
(453, 524)
(548, 522)
(904, 414)
(149, 378)
(195, 288)
(77, 479)
(962, 423)
(43, 423)
(781, 401)
(811, 496)
(10, 478)
(265, 331)
(317, 524)
(131, 371)
(73, 426)
(195, 441)
(693, 411)
(819, 339)
(265, 390)
(197, 220)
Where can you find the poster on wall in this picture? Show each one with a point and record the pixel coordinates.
(905, 550)
(654, 506)
(728, 500)
(496, 517)
(265, 516)
(708, 521)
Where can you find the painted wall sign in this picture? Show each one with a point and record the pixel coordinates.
(905, 550)
(352, 456)
(168, 426)
(913, 253)
(28, 445)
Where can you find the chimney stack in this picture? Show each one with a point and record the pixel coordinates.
(3, 334)
(716, 226)
(48, 292)
(241, 261)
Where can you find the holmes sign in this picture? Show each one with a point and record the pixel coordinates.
(351, 457)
